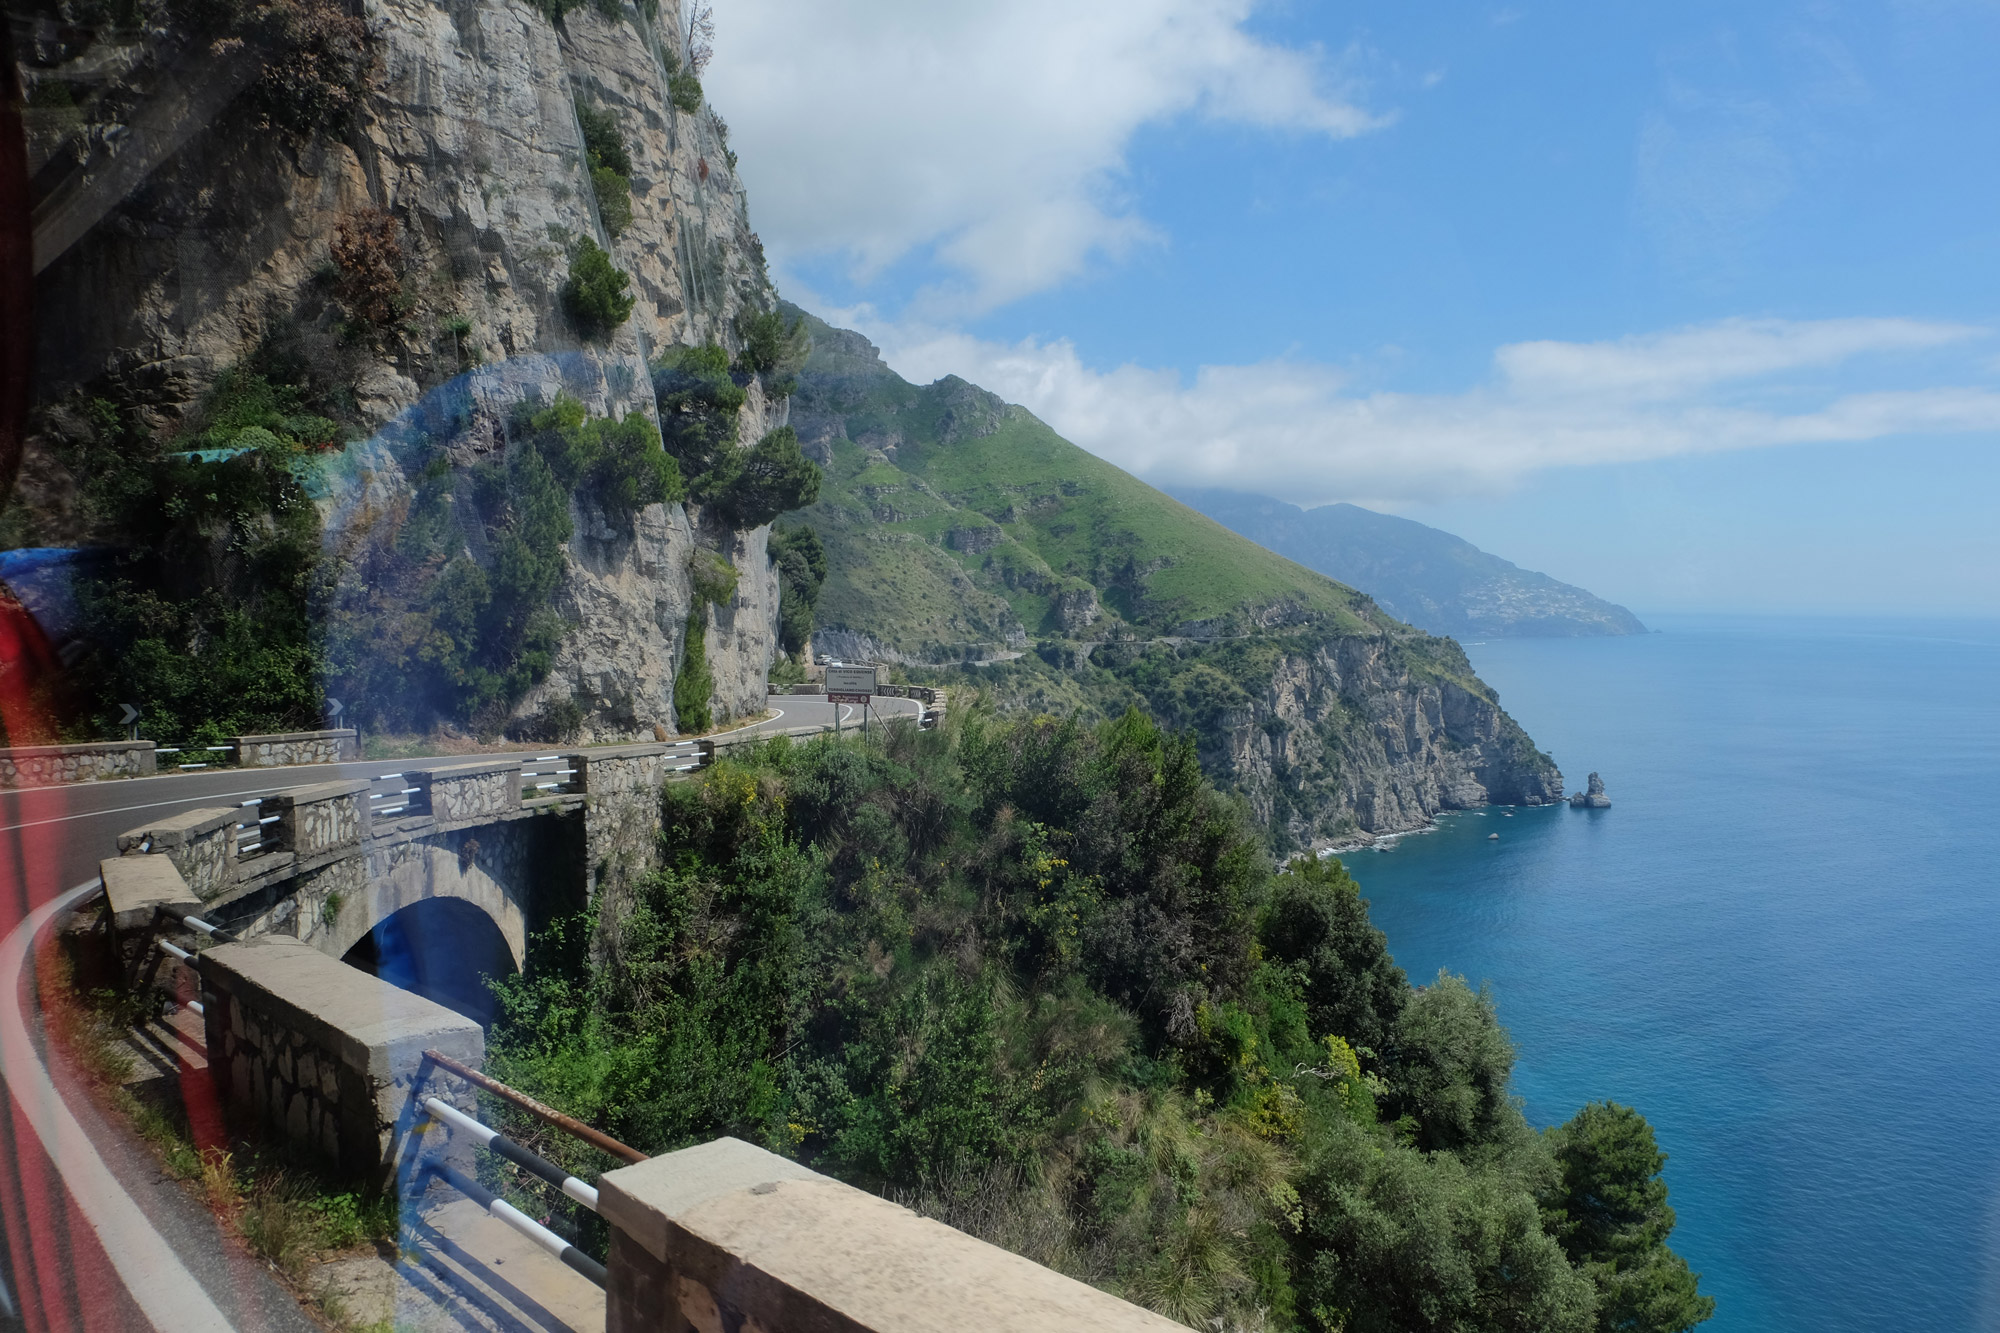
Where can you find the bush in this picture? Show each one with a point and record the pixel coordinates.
(597, 296)
(684, 90)
(771, 346)
(694, 683)
(610, 166)
(614, 199)
(771, 478)
(698, 401)
(317, 70)
(1008, 973)
(370, 264)
(801, 561)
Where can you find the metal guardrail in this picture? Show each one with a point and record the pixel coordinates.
(491, 1139)
(203, 749)
(547, 777)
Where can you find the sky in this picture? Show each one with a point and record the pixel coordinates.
(1692, 304)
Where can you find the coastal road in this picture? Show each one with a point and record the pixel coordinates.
(77, 1201)
(67, 830)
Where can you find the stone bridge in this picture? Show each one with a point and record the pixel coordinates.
(433, 877)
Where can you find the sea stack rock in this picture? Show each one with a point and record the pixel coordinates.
(1592, 799)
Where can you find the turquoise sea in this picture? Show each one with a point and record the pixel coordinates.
(1782, 944)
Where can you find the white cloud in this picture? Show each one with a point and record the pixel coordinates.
(991, 133)
(1304, 432)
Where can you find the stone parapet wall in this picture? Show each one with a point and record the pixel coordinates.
(728, 1236)
(52, 765)
(282, 749)
(472, 793)
(202, 844)
(325, 817)
(329, 1059)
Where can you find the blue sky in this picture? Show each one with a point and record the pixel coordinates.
(1692, 304)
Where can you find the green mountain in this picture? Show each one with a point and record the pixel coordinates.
(1430, 578)
(970, 543)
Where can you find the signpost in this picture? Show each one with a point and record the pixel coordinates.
(850, 685)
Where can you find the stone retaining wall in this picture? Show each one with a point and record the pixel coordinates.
(52, 765)
(282, 749)
(324, 1057)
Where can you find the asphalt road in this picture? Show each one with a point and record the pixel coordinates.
(63, 832)
(85, 1214)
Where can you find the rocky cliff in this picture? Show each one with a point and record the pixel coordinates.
(969, 542)
(220, 187)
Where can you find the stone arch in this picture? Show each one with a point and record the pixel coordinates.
(442, 948)
(493, 878)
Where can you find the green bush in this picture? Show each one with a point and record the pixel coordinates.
(616, 461)
(1017, 975)
(771, 347)
(772, 477)
(698, 401)
(597, 295)
(684, 90)
(610, 166)
(694, 683)
(801, 561)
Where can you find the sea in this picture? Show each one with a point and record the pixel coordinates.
(1781, 944)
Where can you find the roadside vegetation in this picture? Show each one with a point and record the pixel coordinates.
(286, 1212)
(1037, 979)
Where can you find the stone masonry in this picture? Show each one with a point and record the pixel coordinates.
(298, 747)
(50, 765)
(329, 1059)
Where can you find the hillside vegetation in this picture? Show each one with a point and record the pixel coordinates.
(969, 542)
(1038, 980)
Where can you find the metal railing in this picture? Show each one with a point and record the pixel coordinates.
(203, 749)
(492, 1140)
(544, 774)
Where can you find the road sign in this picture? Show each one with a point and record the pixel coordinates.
(850, 684)
(131, 715)
(334, 708)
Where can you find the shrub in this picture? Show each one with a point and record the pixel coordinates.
(317, 71)
(771, 346)
(684, 90)
(614, 199)
(370, 265)
(771, 478)
(694, 683)
(597, 295)
(801, 560)
(618, 462)
(610, 166)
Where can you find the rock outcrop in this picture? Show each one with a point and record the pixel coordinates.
(1593, 797)
(466, 133)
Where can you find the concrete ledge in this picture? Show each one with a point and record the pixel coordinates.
(136, 886)
(170, 832)
(726, 1236)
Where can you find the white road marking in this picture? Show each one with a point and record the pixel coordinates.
(159, 1283)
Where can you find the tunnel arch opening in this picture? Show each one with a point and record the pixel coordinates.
(444, 949)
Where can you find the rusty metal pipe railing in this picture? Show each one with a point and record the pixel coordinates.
(596, 1138)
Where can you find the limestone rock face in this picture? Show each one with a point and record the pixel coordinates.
(468, 136)
(1423, 746)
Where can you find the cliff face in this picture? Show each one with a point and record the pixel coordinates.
(1348, 727)
(186, 250)
(968, 541)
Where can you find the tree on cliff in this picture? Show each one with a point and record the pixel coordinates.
(1610, 1212)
